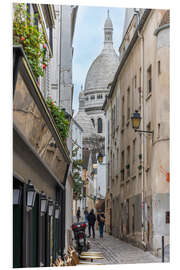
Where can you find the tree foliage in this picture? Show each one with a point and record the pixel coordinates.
(76, 173)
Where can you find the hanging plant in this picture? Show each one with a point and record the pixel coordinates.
(27, 34)
(140, 167)
(127, 166)
(140, 156)
(59, 116)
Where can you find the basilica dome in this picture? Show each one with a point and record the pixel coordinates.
(102, 70)
(100, 74)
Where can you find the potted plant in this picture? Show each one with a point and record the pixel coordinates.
(140, 156)
(122, 171)
(27, 34)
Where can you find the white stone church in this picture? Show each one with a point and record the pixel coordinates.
(90, 115)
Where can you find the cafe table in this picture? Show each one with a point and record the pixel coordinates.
(92, 253)
(91, 257)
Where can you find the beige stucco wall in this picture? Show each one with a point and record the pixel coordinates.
(154, 108)
(30, 121)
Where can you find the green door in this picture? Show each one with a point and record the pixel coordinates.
(17, 228)
(56, 238)
(17, 236)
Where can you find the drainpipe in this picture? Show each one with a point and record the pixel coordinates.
(142, 138)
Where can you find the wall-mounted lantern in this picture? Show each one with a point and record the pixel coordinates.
(100, 158)
(57, 210)
(50, 207)
(136, 120)
(31, 195)
(44, 203)
(17, 195)
(92, 174)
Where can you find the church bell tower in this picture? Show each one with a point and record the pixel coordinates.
(108, 30)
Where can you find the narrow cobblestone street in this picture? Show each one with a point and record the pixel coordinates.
(116, 251)
(91, 135)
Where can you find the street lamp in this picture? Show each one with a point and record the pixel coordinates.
(136, 120)
(31, 195)
(50, 207)
(44, 203)
(92, 174)
(57, 210)
(17, 195)
(100, 158)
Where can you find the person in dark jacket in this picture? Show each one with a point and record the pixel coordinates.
(78, 214)
(91, 222)
(101, 221)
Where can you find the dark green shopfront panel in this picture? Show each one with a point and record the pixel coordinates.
(17, 236)
(56, 239)
(34, 239)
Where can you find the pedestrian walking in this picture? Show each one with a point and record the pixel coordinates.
(101, 221)
(86, 213)
(91, 222)
(78, 214)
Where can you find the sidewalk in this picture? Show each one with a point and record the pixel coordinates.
(119, 252)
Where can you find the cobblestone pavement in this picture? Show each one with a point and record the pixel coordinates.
(116, 251)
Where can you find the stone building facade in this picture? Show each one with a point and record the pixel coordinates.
(61, 86)
(39, 154)
(137, 201)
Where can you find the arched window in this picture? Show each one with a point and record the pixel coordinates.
(99, 96)
(93, 122)
(99, 125)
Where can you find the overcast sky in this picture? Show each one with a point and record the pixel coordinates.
(89, 41)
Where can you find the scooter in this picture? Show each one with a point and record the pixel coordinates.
(80, 236)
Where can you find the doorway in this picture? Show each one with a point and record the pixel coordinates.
(127, 213)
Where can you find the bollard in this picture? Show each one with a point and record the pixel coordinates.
(162, 248)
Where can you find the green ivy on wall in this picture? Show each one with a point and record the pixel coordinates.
(59, 116)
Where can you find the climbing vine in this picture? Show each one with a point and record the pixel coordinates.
(76, 174)
(59, 116)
